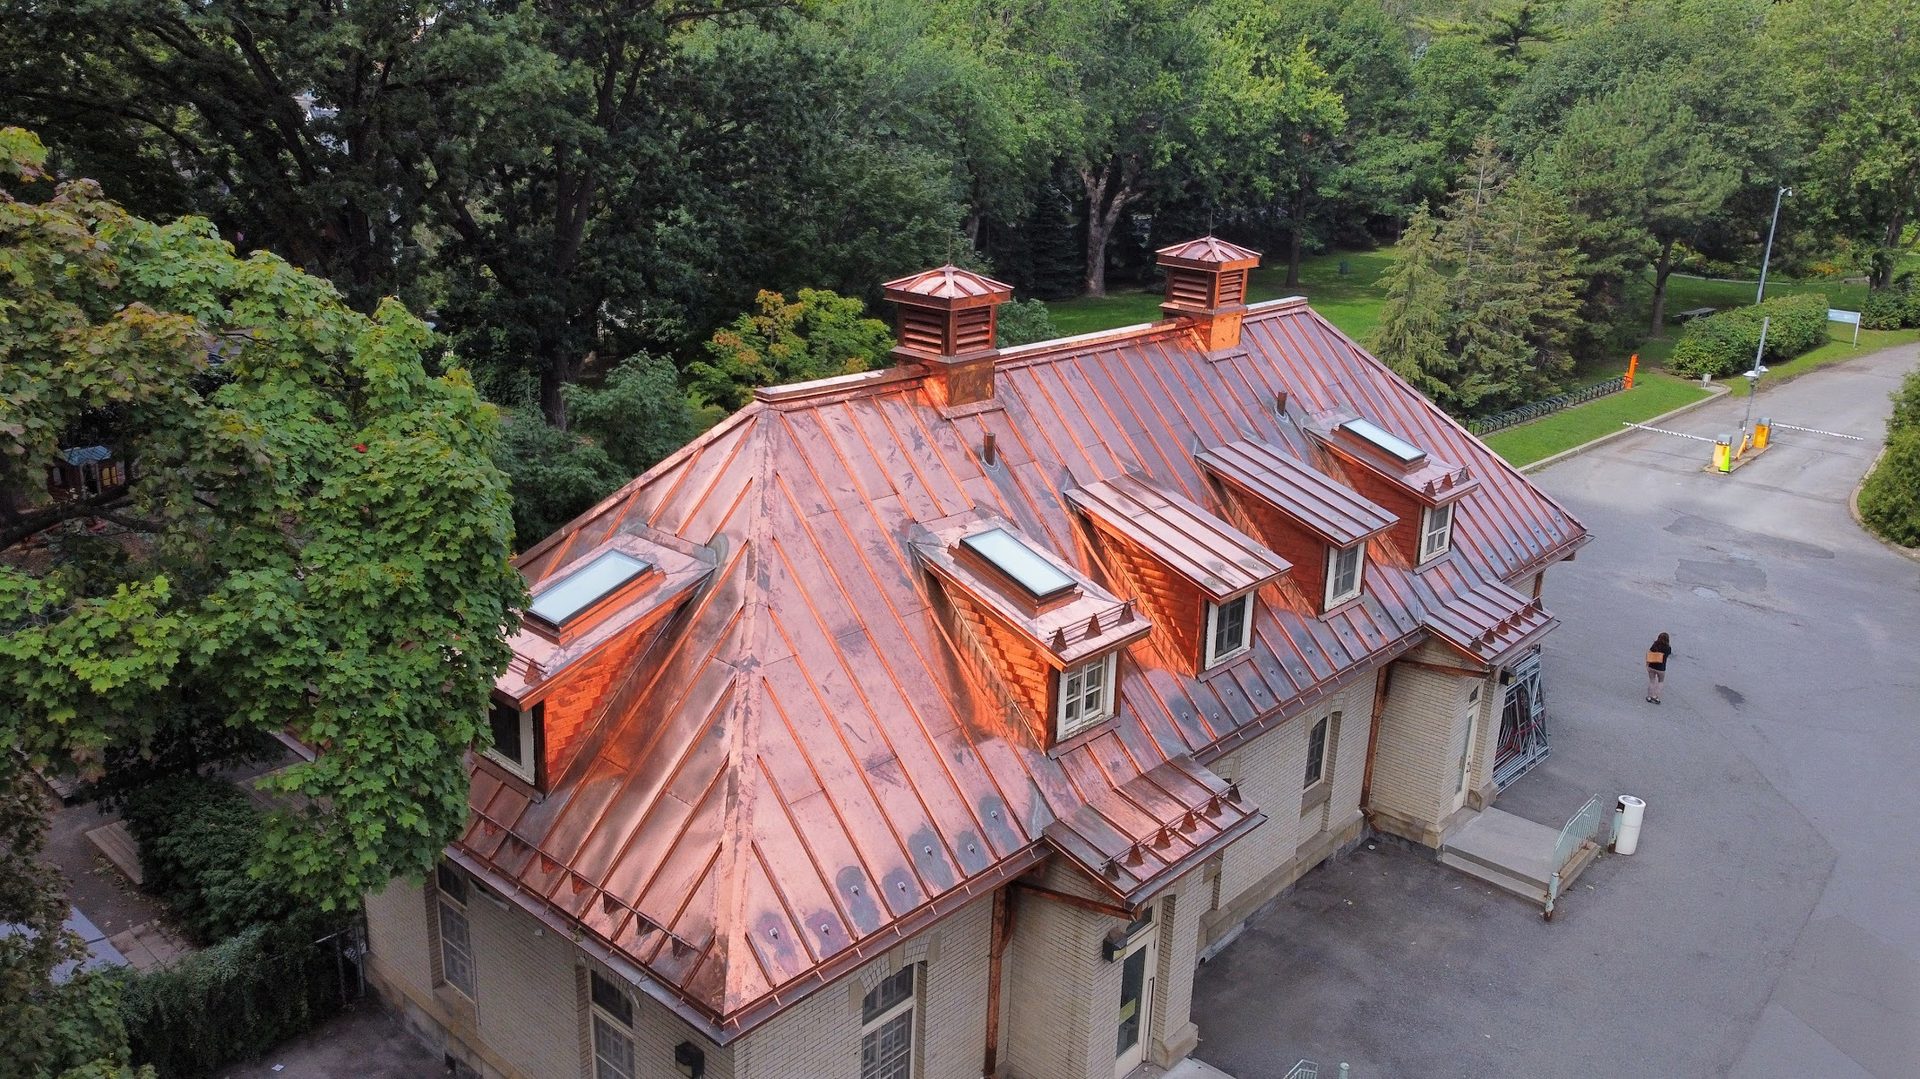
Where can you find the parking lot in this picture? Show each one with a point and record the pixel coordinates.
(1767, 926)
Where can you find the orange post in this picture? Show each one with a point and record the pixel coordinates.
(1633, 364)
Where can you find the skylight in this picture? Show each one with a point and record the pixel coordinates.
(559, 603)
(1393, 444)
(1001, 550)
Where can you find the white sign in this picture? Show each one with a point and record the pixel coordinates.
(1834, 314)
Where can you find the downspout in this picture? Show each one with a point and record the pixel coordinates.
(1002, 933)
(1382, 683)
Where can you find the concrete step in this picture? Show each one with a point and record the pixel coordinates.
(116, 843)
(1531, 872)
(1499, 878)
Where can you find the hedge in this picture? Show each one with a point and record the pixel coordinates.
(235, 1000)
(1893, 308)
(1890, 499)
(1906, 405)
(198, 839)
(1724, 344)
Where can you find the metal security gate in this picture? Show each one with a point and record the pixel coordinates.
(1523, 721)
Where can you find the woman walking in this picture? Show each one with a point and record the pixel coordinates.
(1657, 667)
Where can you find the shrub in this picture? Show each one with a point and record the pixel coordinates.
(1885, 309)
(198, 841)
(1906, 405)
(1890, 499)
(234, 1000)
(1723, 344)
(1022, 322)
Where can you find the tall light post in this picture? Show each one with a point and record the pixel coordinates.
(1753, 380)
(1767, 255)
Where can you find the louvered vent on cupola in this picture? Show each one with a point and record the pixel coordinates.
(947, 322)
(1207, 288)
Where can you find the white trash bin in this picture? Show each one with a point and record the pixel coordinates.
(1631, 811)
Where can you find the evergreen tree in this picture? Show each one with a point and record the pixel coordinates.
(1415, 321)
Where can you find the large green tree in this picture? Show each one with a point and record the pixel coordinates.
(312, 537)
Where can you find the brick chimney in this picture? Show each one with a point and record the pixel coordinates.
(947, 323)
(1207, 288)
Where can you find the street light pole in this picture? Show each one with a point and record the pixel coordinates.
(1767, 256)
(1753, 379)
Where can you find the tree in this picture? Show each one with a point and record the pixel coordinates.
(311, 538)
(1854, 71)
(817, 335)
(1415, 320)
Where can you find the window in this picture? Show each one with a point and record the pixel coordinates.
(612, 1029)
(514, 736)
(456, 944)
(1000, 549)
(1343, 574)
(1395, 446)
(1436, 531)
(1086, 695)
(1229, 628)
(1317, 751)
(886, 1026)
(559, 603)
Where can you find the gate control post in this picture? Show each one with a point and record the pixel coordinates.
(1723, 454)
(1631, 811)
(1762, 431)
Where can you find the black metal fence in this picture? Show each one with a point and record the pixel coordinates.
(1546, 406)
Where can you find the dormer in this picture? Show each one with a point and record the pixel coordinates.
(1316, 524)
(947, 323)
(1395, 472)
(588, 623)
(1197, 576)
(1046, 631)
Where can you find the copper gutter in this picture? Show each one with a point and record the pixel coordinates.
(1002, 934)
(1072, 900)
(1382, 682)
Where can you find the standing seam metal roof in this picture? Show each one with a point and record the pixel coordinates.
(806, 765)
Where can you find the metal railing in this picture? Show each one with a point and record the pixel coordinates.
(1581, 828)
(1546, 406)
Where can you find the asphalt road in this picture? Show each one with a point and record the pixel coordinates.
(1769, 924)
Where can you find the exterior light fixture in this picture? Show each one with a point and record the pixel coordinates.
(690, 1059)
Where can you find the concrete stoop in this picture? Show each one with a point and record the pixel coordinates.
(1511, 853)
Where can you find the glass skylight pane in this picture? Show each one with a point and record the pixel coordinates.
(1392, 443)
(585, 586)
(1015, 559)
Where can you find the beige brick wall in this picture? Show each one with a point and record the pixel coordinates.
(529, 1016)
(1415, 763)
(819, 1038)
(1054, 975)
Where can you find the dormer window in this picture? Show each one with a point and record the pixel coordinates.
(1229, 629)
(516, 737)
(1385, 441)
(1345, 566)
(1436, 531)
(1085, 696)
(1019, 563)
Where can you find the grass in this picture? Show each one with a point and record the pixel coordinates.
(1652, 394)
(1350, 300)
(1838, 348)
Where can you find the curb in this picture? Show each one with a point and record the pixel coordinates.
(1853, 509)
(1716, 392)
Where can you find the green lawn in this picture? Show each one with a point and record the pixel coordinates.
(1652, 394)
(1349, 300)
(1840, 347)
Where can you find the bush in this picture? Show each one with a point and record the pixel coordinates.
(198, 841)
(1893, 308)
(1906, 405)
(1890, 499)
(1723, 344)
(234, 1000)
(1022, 322)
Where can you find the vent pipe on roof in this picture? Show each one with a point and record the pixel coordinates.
(947, 324)
(1207, 288)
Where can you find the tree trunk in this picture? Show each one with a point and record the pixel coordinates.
(1293, 237)
(1096, 276)
(554, 374)
(1661, 269)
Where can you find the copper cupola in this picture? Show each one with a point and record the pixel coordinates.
(1207, 288)
(947, 322)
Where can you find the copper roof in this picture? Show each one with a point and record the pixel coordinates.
(1154, 827)
(1430, 479)
(1486, 620)
(1337, 514)
(1209, 253)
(805, 764)
(958, 287)
(1216, 557)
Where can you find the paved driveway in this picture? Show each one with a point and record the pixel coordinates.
(1769, 924)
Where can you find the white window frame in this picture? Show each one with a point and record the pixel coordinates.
(1436, 531)
(452, 909)
(1215, 611)
(1359, 552)
(524, 766)
(1316, 772)
(907, 1007)
(618, 1032)
(1069, 688)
